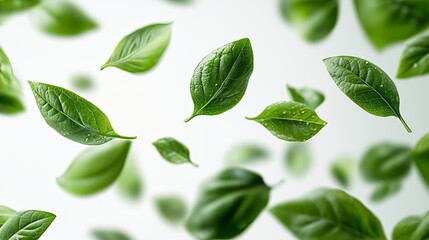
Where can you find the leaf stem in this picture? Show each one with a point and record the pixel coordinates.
(405, 124)
(190, 118)
(277, 184)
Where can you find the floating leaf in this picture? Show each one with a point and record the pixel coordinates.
(129, 182)
(420, 155)
(173, 151)
(26, 225)
(172, 208)
(82, 82)
(385, 190)
(246, 153)
(103, 234)
(298, 159)
(412, 228)
(310, 97)
(341, 170)
(415, 58)
(5, 214)
(11, 6)
(10, 88)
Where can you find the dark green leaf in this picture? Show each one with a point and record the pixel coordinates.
(82, 82)
(341, 170)
(246, 153)
(415, 58)
(5, 214)
(172, 208)
(73, 116)
(103, 234)
(386, 162)
(173, 151)
(391, 21)
(95, 169)
(220, 79)
(26, 225)
(366, 85)
(141, 50)
(298, 159)
(290, 121)
(327, 214)
(412, 228)
(62, 18)
(385, 190)
(310, 97)
(11, 6)
(228, 204)
(10, 88)
(420, 156)
(129, 182)
(315, 20)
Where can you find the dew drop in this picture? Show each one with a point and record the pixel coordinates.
(415, 65)
(303, 111)
(366, 62)
(381, 85)
(284, 112)
(86, 139)
(265, 124)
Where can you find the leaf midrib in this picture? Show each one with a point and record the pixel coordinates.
(13, 237)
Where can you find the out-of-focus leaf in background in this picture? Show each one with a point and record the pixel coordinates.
(246, 153)
(342, 170)
(130, 183)
(82, 82)
(172, 208)
(10, 88)
(298, 159)
(415, 58)
(108, 234)
(385, 190)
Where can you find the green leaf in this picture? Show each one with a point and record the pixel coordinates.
(415, 58)
(82, 82)
(103, 234)
(173, 151)
(310, 97)
(385, 190)
(386, 162)
(26, 225)
(314, 20)
(73, 116)
(220, 79)
(62, 18)
(298, 159)
(10, 88)
(390, 21)
(11, 6)
(327, 214)
(129, 182)
(5, 214)
(366, 85)
(172, 208)
(180, 1)
(420, 156)
(95, 169)
(228, 204)
(290, 121)
(141, 50)
(341, 170)
(412, 228)
(246, 153)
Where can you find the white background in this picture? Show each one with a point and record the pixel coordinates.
(154, 105)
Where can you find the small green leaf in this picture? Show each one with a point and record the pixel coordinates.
(342, 169)
(290, 121)
(315, 20)
(298, 159)
(5, 214)
(366, 85)
(95, 169)
(11, 6)
(26, 225)
(62, 18)
(180, 1)
(172, 208)
(420, 156)
(415, 58)
(73, 116)
(228, 204)
(412, 228)
(310, 97)
(104, 234)
(390, 21)
(82, 82)
(141, 50)
(327, 214)
(10, 88)
(220, 79)
(386, 162)
(246, 153)
(385, 190)
(173, 151)
(129, 182)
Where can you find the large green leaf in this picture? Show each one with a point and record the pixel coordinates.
(412, 228)
(26, 225)
(173, 151)
(172, 208)
(5, 214)
(10, 88)
(415, 58)
(310, 97)
(420, 156)
(11, 6)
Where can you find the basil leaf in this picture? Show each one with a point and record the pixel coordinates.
(129, 182)
(246, 153)
(386, 162)
(102, 234)
(5, 214)
(220, 79)
(82, 82)
(412, 228)
(420, 156)
(141, 50)
(290, 121)
(26, 225)
(326, 214)
(228, 204)
(310, 97)
(315, 20)
(298, 159)
(389, 21)
(341, 170)
(73, 116)
(62, 18)
(11, 6)
(385, 190)
(95, 169)
(415, 58)
(10, 88)
(173, 151)
(366, 85)
(172, 208)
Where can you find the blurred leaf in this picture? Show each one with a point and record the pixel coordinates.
(82, 82)
(228, 204)
(246, 153)
(180, 1)
(412, 228)
(310, 97)
(5, 214)
(130, 184)
(298, 159)
(172, 208)
(26, 225)
(385, 190)
(173, 151)
(290, 121)
(341, 170)
(390, 21)
(420, 155)
(11, 6)
(414, 59)
(62, 18)
(10, 88)
(386, 162)
(141, 50)
(104, 234)
(327, 214)
(315, 20)
(95, 169)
